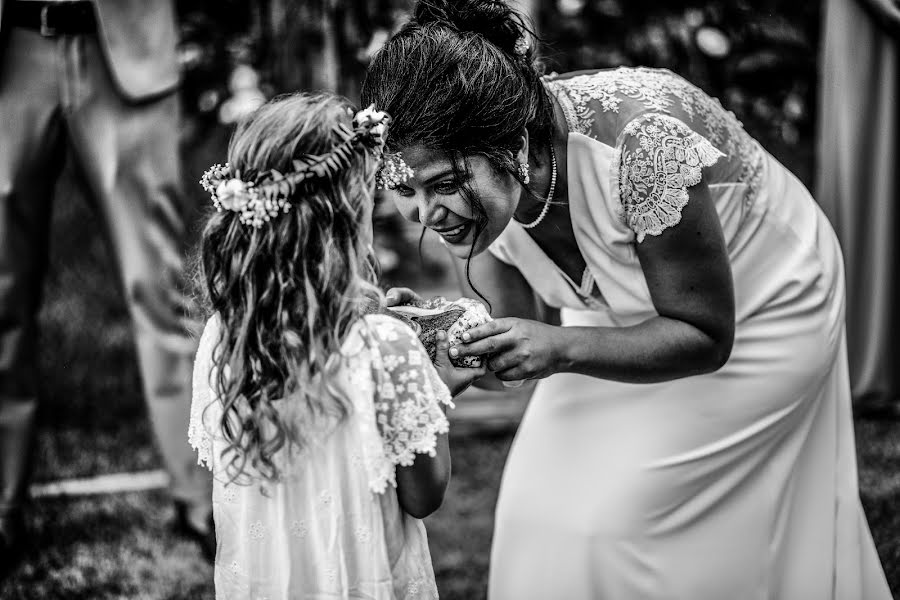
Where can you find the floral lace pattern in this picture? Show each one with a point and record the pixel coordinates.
(656, 166)
(631, 94)
(408, 395)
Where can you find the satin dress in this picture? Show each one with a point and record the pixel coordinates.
(738, 484)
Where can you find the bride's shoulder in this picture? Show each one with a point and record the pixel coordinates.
(601, 103)
(598, 102)
(625, 76)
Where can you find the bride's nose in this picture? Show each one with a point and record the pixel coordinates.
(430, 213)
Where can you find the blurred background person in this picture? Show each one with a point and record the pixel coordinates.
(95, 80)
(858, 183)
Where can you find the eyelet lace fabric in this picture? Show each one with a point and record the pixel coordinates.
(665, 131)
(332, 526)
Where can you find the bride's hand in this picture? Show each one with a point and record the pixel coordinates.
(401, 295)
(515, 349)
(456, 378)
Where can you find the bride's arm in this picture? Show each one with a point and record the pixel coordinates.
(689, 278)
(508, 293)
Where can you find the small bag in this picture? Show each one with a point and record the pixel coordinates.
(428, 317)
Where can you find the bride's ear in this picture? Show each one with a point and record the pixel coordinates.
(522, 149)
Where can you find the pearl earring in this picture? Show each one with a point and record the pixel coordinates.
(524, 175)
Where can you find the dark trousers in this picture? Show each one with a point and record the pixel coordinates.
(56, 95)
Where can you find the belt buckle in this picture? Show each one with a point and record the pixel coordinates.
(46, 30)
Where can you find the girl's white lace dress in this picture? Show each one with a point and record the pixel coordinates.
(332, 528)
(739, 484)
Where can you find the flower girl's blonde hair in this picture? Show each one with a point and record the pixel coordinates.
(287, 291)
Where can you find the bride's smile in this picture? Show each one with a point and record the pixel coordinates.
(468, 204)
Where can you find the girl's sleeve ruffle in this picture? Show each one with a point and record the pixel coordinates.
(407, 395)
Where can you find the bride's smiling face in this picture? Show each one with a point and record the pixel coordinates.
(435, 197)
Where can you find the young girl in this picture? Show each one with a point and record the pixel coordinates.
(309, 414)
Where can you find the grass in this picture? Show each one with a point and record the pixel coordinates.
(93, 422)
(122, 545)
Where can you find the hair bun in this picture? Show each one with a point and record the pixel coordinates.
(493, 19)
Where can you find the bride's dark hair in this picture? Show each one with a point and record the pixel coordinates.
(453, 81)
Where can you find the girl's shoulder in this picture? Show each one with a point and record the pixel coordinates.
(374, 337)
(209, 338)
(385, 331)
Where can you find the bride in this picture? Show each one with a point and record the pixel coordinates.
(690, 436)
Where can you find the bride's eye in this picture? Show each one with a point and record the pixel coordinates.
(403, 190)
(446, 187)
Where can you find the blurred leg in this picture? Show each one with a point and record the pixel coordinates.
(31, 153)
(129, 155)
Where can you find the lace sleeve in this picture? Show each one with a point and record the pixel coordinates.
(408, 395)
(657, 158)
(199, 436)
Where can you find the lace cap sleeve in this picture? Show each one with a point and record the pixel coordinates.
(408, 394)
(657, 158)
(199, 436)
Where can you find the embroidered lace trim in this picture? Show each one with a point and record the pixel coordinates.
(408, 395)
(632, 93)
(658, 158)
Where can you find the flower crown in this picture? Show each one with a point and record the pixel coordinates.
(268, 195)
(393, 172)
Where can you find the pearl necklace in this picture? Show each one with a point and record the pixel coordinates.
(549, 199)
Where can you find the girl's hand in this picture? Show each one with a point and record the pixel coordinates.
(515, 349)
(401, 295)
(456, 378)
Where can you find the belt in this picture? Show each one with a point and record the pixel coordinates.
(52, 18)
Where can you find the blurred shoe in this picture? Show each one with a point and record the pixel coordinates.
(202, 531)
(12, 536)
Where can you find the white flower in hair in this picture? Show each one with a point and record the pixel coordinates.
(393, 172)
(370, 116)
(233, 194)
(521, 47)
(374, 123)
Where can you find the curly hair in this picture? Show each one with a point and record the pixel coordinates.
(287, 293)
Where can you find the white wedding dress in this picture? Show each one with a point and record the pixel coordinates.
(740, 484)
(332, 528)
